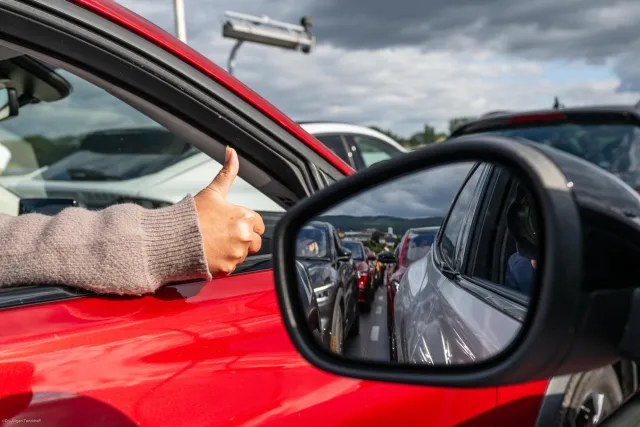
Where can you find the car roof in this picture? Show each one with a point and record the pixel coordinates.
(501, 115)
(319, 127)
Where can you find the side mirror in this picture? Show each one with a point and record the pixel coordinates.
(573, 230)
(387, 257)
(345, 255)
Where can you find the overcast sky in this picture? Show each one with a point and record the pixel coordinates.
(398, 64)
(428, 193)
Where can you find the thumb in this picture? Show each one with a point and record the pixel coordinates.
(222, 182)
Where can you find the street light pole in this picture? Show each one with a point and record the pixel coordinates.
(181, 27)
(232, 56)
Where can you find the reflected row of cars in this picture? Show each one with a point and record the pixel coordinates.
(338, 280)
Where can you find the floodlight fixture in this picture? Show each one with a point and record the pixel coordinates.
(264, 30)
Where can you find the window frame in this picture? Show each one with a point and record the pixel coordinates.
(166, 89)
(350, 157)
(440, 257)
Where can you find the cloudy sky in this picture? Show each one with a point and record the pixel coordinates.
(400, 64)
(428, 193)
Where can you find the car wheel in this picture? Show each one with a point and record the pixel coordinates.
(337, 329)
(590, 397)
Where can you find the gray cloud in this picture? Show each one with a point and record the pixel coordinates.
(427, 193)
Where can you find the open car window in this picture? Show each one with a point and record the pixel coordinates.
(85, 144)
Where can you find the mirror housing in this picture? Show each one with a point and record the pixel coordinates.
(387, 257)
(575, 322)
(345, 255)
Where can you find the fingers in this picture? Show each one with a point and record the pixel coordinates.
(222, 182)
(255, 244)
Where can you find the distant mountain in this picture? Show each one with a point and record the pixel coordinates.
(380, 223)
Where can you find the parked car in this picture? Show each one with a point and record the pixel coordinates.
(332, 275)
(432, 319)
(309, 301)
(364, 272)
(607, 136)
(192, 351)
(162, 167)
(413, 246)
(359, 146)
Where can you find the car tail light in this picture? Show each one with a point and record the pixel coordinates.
(537, 118)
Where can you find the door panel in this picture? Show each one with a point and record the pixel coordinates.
(192, 352)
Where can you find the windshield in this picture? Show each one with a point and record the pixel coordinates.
(614, 147)
(355, 248)
(312, 242)
(125, 154)
(418, 244)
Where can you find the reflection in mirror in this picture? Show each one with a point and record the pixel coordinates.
(436, 267)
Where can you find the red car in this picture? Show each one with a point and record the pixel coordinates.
(197, 354)
(365, 273)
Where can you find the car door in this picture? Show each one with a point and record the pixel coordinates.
(421, 314)
(191, 352)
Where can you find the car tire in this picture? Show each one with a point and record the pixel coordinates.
(336, 337)
(589, 397)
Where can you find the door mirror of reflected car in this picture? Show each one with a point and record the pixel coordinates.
(345, 255)
(502, 262)
(387, 257)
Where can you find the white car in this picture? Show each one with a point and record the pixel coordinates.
(172, 168)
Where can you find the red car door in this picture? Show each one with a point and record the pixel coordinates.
(199, 354)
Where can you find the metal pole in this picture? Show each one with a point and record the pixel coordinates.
(181, 27)
(232, 56)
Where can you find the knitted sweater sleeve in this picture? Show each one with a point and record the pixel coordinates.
(124, 249)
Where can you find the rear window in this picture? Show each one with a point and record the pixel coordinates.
(613, 147)
(355, 248)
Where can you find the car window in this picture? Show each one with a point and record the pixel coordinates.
(418, 244)
(373, 150)
(313, 242)
(457, 217)
(336, 144)
(94, 148)
(355, 248)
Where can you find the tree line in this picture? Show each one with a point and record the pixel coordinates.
(427, 135)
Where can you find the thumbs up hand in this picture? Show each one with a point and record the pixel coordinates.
(229, 232)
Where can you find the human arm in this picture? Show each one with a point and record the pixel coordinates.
(126, 249)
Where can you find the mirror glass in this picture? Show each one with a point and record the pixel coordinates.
(435, 267)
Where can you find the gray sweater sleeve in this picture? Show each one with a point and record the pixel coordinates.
(123, 249)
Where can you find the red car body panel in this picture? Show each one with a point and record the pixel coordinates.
(202, 354)
(206, 355)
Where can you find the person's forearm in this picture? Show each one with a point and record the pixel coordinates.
(124, 249)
